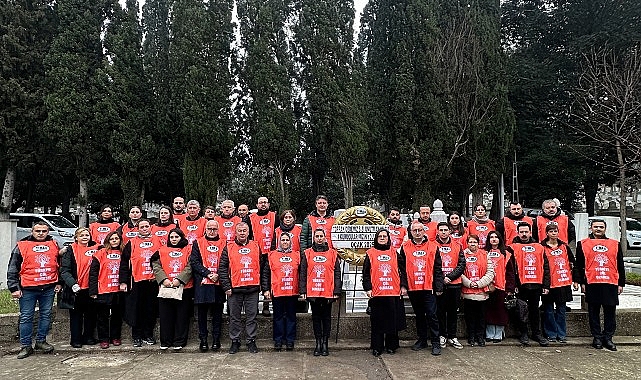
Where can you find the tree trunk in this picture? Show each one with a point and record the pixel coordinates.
(7, 192)
(622, 199)
(348, 187)
(82, 203)
(130, 189)
(282, 194)
(591, 188)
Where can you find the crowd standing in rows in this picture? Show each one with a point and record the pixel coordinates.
(139, 272)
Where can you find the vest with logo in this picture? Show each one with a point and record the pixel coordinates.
(141, 252)
(499, 263)
(210, 251)
(449, 258)
(39, 262)
(193, 229)
(386, 281)
(324, 223)
(461, 239)
(529, 261)
(174, 260)
(284, 268)
(162, 232)
(560, 270)
(179, 220)
(561, 221)
(475, 269)
(601, 261)
(481, 230)
(263, 229)
(430, 229)
(510, 226)
(227, 227)
(320, 273)
(99, 231)
(419, 264)
(109, 274)
(128, 233)
(295, 232)
(244, 264)
(397, 235)
(83, 256)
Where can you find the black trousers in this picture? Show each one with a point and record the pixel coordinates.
(475, 319)
(321, 317)
(146, 309)
(609, 320)
(110, 319)
(216, 310)
(533, 298)
(447, 305)
(424, 305)
(175, 318)
(82, 318)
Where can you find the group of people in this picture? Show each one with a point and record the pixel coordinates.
(140, 272)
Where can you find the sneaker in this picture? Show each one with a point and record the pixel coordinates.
(481, 342)
(177, 348)
(203, 347)
(524, 340)
(562, 340)
(104, 344)
(164, 348)
(419, 345)
(150, 341)
(251, 347)
(543, 341)
(137, 342)
(116, 342)
(25, 352)
(455, 343)
(436, 350)
(235, 346)
(442, 341)
(44, 347)
(289, 346)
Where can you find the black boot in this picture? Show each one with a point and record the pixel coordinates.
(216, 344)
(317, 350)
(203, 347)
(324, 347)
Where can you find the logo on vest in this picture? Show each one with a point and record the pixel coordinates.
(319, 259)
(551, 222)
(40, 248)
(419, 253)
(481, 228)
(192, 227)
(103, 229)
(146, 244)
(321, 221)
(600, 248)
(384, 258)
(131, 234)
(244, 251)
(264, 221)
(90, 252)
(212, 248)
(471, 259)
(494, 254)
(445, 249)
(393, 231)
(228, 224)
(556, 252)
(113, 256)
(528, 248)
(530, 259)
(175, 254)
(285, 259)
(161, 233)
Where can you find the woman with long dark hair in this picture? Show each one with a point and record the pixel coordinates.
(164, 224)
(496, 315)
(459, 232)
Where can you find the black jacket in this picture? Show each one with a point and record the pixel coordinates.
(225, 277)
(460, 266)
(209, 293)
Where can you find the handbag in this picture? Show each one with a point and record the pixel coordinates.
(66, 298)
(171, 292)
(510, 302)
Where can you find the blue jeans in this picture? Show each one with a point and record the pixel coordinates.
(284, 319)
(44, 298)
(554, 320)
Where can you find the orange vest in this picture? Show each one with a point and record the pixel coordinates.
(561, 221)
(430, 230)
(601, 261)
(419, 264)
(108, 277)
(141, 252)
(481, 230)
(83, 257)
(386, 281)
(397, 235)
(162, 233)
(227, 227)
(39, 262)
(174, 260)
(179, 220)
(475, 269)
(128, 233)
(295, 232)
(529, 261)
(510, 226)
(284, 272)
(99, 231)
(499, 263)
(320, 273)
(210, 251)
(560, 271)
(449, 258)
(193, 229)
(244, 264)
(263, 229)
(461, 239)
(324, 223)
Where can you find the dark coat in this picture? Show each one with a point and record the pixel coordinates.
(209, 293)
(606, 294)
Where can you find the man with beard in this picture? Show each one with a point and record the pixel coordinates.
(429, 225)
(506, 226)
(321, 218)
(178, 205)
(227, 221)
(396, 229)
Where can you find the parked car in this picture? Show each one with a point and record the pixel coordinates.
(60, 228)
(633, 231)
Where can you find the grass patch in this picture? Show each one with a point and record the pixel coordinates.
(633, 279)
(7, 304)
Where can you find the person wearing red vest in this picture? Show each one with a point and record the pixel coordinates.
(506, 226)
(320, 284)
(164, 224)
(398, 233)
(496, 316)
(179, 213)
(480, 225)
(74, 271)
(208, 293)
(561, 260)
(453, 265)
(243, 213)
(32, 277)
(552, 214)
(239, 274)
(322, 218)
(476, 279)
(262, 230)
(129, 229)
(104, 225)
(385, 285)
(171, 268)
(137, 277)
(532, 275)
(419, 260)
(280, 281)
(429, 226)
(459, 232)
(227, 221)
(601, 273)
(104, 288)
(288, 224)
(193, 225)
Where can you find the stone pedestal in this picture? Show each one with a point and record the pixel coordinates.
(7, 242)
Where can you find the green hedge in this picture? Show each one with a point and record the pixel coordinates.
(633, 279)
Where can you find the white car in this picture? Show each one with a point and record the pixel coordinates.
(60, 228)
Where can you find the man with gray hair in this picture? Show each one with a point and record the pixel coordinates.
(227, 221)
(551, 214)
(194, 225)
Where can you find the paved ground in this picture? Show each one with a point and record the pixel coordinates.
(347, 360)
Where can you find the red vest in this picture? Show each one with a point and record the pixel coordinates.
(560, 270)
(244, 264)
(179, 220)
(510, 227)
(227, 227)
(449, 258)
(108, 277)
(386, 280)
(320, 273)
(193, 229)
(83, 257)
(397, 235)
(561, 221)
(284, 272)
(475, 269)
(174, 260)
(128, 233)
(141, 252)
(39, 262)
(431, 229)
(529, 261)
(419, 264)
(263, 229)
(461, 239)
(295, 232)
(210, 251)
(499, 262)
(99, 231)
(162, 233)
(601, 260)
(324, 223)
(481, 230)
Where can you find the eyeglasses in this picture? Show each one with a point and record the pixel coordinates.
(41, 231)
(212, 229)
